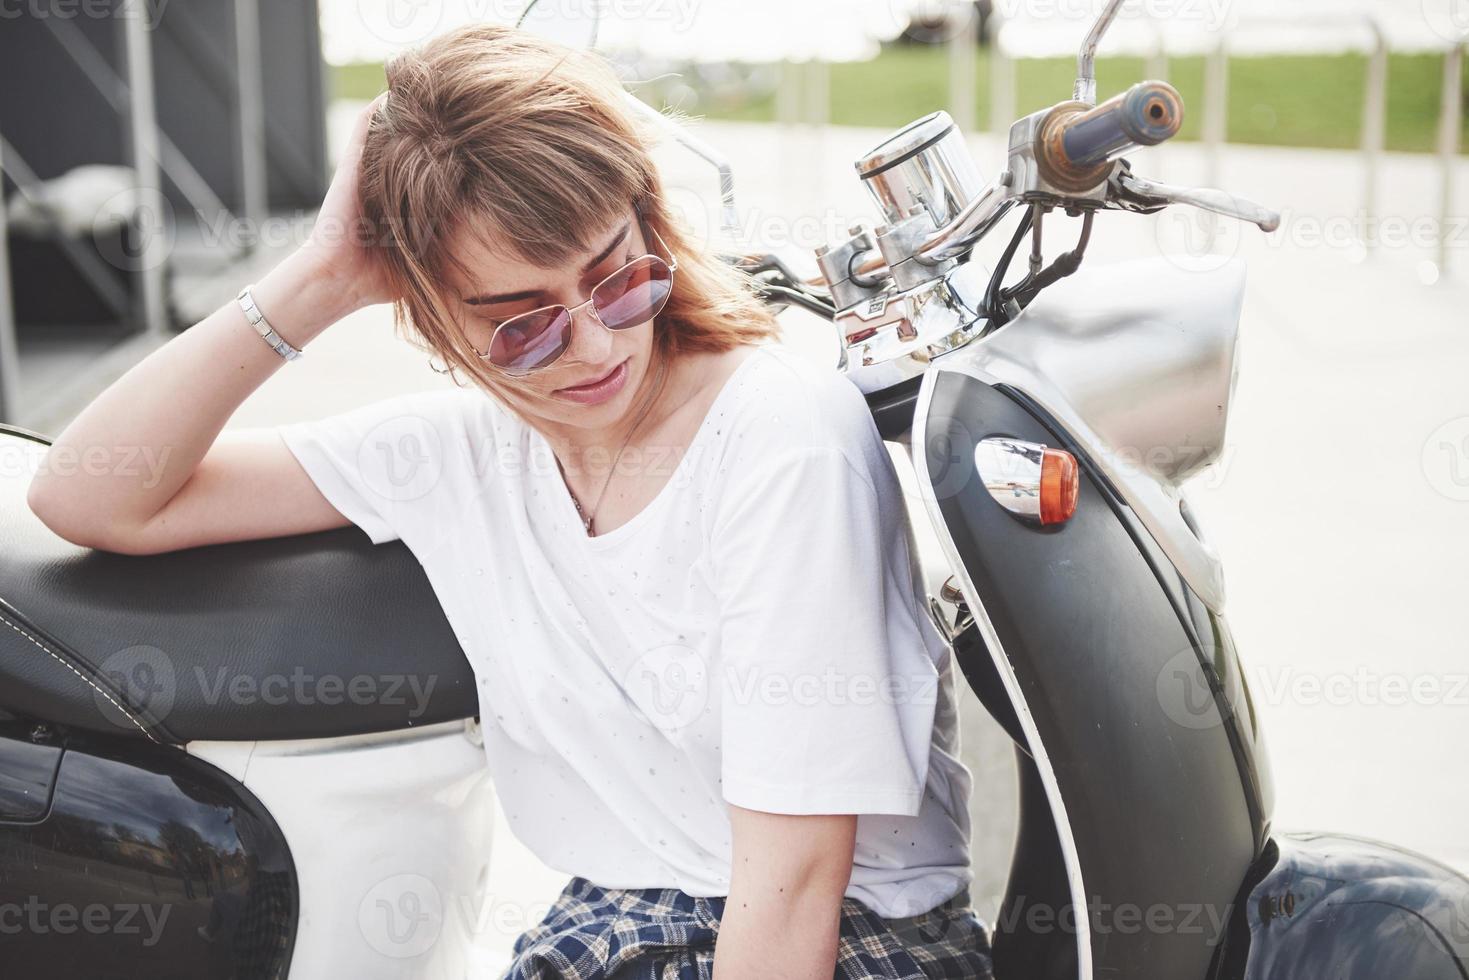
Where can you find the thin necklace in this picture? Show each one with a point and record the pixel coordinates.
(587, 518)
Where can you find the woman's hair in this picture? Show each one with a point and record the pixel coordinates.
(529, 145)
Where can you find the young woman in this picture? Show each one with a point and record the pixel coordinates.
(677, 558)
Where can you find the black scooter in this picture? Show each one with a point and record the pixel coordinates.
(224, 763)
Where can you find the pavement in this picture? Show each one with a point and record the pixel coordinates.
(1340, 506)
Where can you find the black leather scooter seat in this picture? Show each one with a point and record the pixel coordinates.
(306, 636)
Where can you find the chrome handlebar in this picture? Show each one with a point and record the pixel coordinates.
(1136, 193)
(1067, 157)
(970, 224)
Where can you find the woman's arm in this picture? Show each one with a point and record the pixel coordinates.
(143, 469)
(783, 913)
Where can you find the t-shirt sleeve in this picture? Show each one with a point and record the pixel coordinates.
(828, 690)
(391, 467)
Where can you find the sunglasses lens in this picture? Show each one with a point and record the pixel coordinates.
(635, 294)
(532, 340)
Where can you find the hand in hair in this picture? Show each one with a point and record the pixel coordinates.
(341, 241)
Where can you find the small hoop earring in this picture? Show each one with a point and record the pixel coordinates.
(434, 361)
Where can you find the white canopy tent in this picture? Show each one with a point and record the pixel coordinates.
(1055, 27)
(848, 30)
(684, 30)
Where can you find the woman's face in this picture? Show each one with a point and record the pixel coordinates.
(501, 285)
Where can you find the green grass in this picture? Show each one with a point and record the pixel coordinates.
(1298, 100)
(364, 80)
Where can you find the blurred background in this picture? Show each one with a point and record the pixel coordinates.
(157, 156)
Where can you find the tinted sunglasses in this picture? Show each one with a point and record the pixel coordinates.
(633, 294)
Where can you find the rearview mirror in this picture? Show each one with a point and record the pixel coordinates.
(569, 22)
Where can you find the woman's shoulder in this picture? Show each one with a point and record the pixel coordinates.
(463, 429)
(784, 400)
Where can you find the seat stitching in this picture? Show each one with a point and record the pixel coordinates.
(89, 682)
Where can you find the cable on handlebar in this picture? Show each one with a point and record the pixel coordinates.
(775, 293)
(992, 292)
(1064, 265)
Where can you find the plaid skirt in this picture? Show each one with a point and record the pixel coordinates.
(595, 933)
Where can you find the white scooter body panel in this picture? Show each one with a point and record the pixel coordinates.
(391, 838)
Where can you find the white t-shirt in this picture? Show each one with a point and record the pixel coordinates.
(755, 635)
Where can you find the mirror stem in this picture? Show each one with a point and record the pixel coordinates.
(729, 221)
(1085, 89)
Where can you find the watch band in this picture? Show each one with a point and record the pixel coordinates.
(263, 327)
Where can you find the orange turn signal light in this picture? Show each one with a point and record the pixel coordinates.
(1029, 479)
(1060, 480)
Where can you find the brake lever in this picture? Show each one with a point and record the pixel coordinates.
(1130, 192)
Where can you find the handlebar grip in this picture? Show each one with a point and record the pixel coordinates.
(1077, 141)
(1144, 115)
